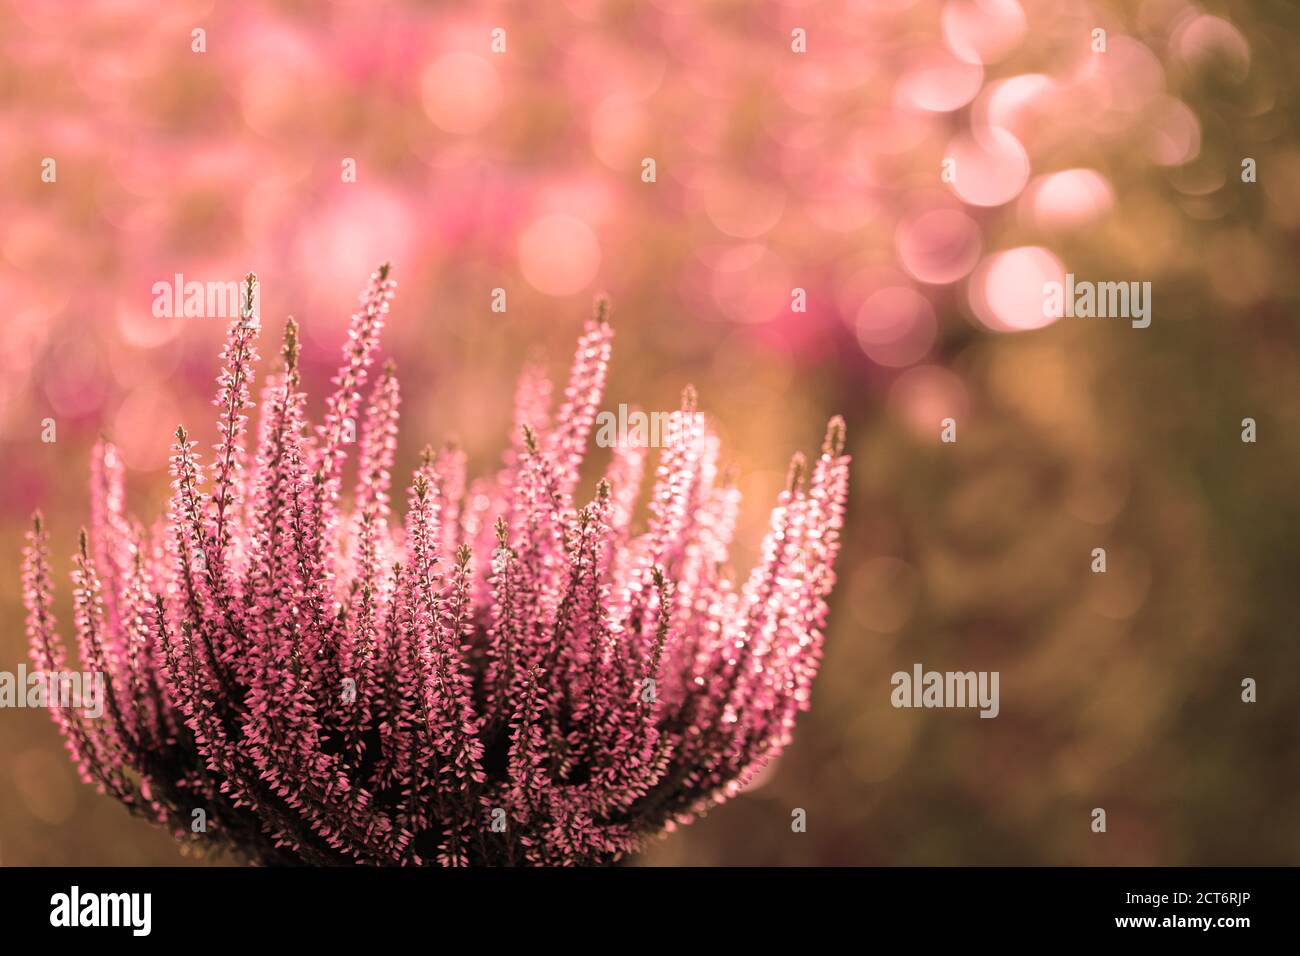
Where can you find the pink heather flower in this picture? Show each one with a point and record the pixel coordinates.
(500, 678)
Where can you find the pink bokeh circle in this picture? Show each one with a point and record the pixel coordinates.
(559, 254)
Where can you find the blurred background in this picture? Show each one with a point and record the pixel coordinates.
(775, 170)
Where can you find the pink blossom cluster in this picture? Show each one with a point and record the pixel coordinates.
(499, 678)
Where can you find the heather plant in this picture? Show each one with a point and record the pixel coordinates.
(500, 677)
